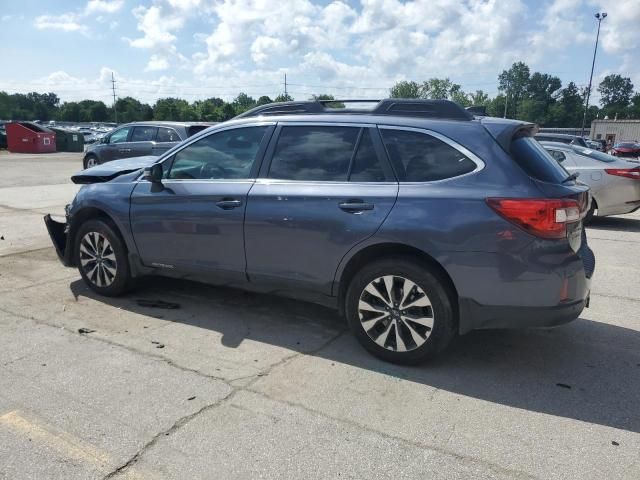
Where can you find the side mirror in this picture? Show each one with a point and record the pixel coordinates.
(153, 173)
(105, 139)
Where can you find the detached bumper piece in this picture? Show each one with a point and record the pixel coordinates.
(59, 234)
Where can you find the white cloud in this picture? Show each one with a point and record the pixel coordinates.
(103, 6)
(620, 30)
(77, 21)
(156, 63)
(66, 22)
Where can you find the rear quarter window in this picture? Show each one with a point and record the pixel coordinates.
(536, 161)
(420, 157)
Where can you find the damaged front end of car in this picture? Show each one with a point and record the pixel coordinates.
(59, 233)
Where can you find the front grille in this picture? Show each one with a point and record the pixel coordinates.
(587, 256)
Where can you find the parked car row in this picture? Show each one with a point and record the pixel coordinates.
(139, 139)
(414, 218)
(614, 182)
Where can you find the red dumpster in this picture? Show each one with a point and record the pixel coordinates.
(27, 137)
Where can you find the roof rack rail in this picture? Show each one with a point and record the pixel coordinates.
(402, 107)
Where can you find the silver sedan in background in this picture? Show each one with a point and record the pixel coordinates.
(614, 182)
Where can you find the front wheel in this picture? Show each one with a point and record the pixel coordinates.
(90, 161)
(101, 257)
(400, 311)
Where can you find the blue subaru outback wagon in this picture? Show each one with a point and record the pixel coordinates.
(414, 218)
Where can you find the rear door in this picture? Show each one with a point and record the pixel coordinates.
(141, 141)
(323, 189)
(166, 139)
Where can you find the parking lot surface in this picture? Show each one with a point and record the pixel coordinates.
(179, 380)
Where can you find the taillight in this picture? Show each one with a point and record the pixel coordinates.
(542, 217)
(624, 172)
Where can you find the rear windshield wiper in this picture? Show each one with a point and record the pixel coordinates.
(571, 177)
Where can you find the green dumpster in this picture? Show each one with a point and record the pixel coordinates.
(68, 140)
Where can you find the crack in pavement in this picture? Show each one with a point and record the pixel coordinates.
(187, 418)
(234, 389)
(423, 446)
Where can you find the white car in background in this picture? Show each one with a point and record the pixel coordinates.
(614, 182)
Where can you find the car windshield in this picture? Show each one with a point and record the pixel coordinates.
(596, 155)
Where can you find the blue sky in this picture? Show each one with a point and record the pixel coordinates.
(202, 48)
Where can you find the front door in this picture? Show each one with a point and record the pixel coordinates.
(327, 188)
(194, 221)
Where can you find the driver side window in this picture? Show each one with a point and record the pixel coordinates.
(228, 155)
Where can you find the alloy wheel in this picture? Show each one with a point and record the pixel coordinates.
(91, 162)
(97, 259)
(396, 313)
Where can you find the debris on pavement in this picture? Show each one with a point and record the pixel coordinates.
(84, 331)
(191, 398)
(157, 304)
(563, 385)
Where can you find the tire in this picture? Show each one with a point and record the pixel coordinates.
(427, 287)
(110, 274)
(88, 160)
(591, 213)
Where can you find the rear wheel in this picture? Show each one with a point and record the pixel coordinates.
(90, 161)
(101, 257)
(400, 311)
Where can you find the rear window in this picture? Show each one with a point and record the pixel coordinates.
(419, 157)
(143, 134)
(536, 161)
(193, 129)
(314, 153)
(596, 155)
(166, 134)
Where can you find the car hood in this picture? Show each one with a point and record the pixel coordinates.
(110, 170)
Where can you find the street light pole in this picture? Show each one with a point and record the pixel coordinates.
(599, 17)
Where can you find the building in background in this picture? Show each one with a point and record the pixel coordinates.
(615, 130)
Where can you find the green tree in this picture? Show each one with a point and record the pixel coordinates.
(173, 109)
(615, 94)
(457, 95)
(263, 100)
(405, 89)
(243, 102)
(513, 83)
(284, 97)
(479, 98)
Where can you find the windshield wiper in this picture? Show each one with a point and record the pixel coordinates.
(571, 177)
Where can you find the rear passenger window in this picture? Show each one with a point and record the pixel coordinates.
(366, 164)
(313, 153)
(143, 134)
(167, 135)
(419, 157)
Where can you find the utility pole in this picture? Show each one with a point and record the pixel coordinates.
(599, 17)
(286, 95)
(113, 87)
(506, 100)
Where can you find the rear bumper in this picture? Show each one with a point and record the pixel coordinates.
(59, 233)
(485, 317)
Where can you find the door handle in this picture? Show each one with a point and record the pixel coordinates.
(355, 206)
(124, 150)
(228, 204)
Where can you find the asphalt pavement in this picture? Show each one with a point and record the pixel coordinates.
(179, 380)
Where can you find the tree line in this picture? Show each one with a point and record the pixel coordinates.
(535, 97)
